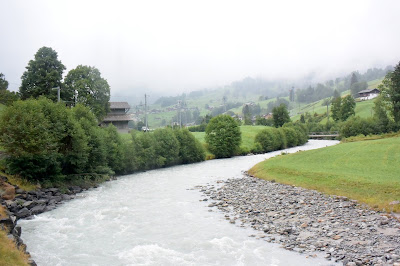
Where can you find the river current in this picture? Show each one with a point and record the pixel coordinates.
(155, 218)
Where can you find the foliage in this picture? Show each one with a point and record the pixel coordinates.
(166, 146)
(347, 107)
(280, 115)
(262, 121)
(390, 90)
(223, 136)
(346, 169)
(3, 82)
(42, 75)
(335, 110)
(85, 85)
(190, 149)
(272, 139)
(357, 87)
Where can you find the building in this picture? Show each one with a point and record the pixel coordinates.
(368, 94)
(118, 116)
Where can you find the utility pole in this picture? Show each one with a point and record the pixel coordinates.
(145, 111)
(180, 113)
(58, 93)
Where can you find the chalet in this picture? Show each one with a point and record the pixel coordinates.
(118, 116)
(368, 94)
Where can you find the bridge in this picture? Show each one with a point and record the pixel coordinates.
(321, 135)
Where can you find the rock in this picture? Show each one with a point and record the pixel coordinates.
(38, 209)
(23, 213)
(17, 231)
(29, 204)
(8, 191)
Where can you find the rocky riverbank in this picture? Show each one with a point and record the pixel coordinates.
(21, 204)
(307, 221)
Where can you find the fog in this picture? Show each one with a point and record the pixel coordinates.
(171, 47)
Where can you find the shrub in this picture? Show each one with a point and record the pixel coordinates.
(223, 136)
(190, 149)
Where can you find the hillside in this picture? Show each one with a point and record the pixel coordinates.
(366, 171)
(199, 103)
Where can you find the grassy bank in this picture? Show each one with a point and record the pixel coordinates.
(9, 254)
(367, 171)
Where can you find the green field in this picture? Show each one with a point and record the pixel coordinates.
(367, 171)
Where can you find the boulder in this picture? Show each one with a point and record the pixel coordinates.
(23, 213)
(8, 191)
(38, 209)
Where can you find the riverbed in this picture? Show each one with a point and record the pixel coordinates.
(156, 218)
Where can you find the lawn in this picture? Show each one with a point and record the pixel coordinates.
(367, 171)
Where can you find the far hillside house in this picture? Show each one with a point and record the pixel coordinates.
(368, 94)
(118, 116)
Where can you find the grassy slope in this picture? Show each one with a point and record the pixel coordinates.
(367, 171)
(9, 254)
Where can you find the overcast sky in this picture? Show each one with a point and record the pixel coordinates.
(174, 46)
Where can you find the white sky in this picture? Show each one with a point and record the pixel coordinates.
(174, 46)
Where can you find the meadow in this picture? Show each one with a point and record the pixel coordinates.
(367, 171)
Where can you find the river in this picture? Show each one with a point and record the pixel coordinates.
(155, 218)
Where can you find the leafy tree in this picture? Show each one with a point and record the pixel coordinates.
(41, 75)
(190, 149)
(390, 89)
(3, 82)
(223, 136)
(6, 97)
(247, 115)
(335, 109)
(115, 149)
(353, 79)
(357, 87)
(48, 144)
(280, 115)
(336, 94)
(166, 146)
(85, 85)
(347, 107)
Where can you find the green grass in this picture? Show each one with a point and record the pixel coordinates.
(367, 171)
(9, 254)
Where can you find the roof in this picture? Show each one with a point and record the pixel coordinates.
(119, 105)
(366, 91)
(112, 118)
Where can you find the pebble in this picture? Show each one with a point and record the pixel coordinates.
(308, 221)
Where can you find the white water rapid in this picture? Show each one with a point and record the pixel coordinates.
(154, 218)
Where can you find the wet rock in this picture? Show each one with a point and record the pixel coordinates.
(23, 213)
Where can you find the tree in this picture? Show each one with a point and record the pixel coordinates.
(41, 75)
(223, 136)
(335, 109)
(6, 97)
(336, 94)
(166, 146)
(347, 107)
(85, 85)
(353, 79)
(390, 90)
(357, 87)
(3, 82)
(190, 149)
(280, 115)
(247, 115)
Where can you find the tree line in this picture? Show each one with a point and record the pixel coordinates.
(44, 76)
(49, 143)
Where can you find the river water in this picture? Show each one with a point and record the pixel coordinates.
(155, 218)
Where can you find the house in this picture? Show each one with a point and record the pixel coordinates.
(118, 116)
(368, 94)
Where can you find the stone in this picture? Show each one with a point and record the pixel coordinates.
(23, 213)
(38, 209)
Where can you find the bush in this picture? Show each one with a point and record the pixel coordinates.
(356, 126)
(272, 139)
(190, 149)
(223, 136)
